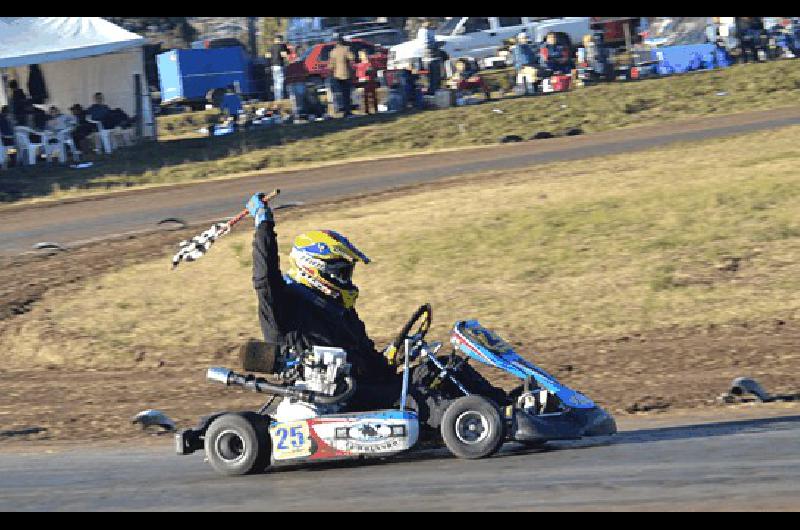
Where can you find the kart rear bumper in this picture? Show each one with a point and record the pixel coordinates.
(570, 425)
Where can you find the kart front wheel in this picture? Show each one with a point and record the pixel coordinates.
(472, 427)
(238, 444)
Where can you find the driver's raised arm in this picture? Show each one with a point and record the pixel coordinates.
(267, 279)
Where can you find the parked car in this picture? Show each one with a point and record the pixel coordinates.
(480, 37)
(383, 37)
(314, 61)
(307, 31)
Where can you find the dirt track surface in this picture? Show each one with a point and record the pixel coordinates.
(73, 222)
(663, 370)
(744, 460)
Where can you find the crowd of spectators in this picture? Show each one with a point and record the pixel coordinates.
(23, 115)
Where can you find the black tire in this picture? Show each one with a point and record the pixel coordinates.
(238, 444)
(472, 427)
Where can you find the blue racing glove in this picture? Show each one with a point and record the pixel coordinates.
(260, 211)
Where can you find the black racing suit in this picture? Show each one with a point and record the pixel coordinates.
(294, 316)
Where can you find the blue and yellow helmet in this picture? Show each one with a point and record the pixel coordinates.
(324, 260)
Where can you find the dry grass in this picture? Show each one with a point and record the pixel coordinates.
(608, 106)
(681, 236)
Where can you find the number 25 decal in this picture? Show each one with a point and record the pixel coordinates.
(295, 436)
(291, 440)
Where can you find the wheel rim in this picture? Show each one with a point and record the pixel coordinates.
(230, 447)
(472, 427)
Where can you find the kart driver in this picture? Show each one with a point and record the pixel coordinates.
(313, 304)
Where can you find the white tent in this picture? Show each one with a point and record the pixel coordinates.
(78, 56)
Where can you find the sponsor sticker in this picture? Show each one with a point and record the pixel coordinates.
(379, 447)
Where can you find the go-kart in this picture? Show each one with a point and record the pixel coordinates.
(439, 401)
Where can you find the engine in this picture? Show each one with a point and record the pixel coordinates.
(312, 383)
(323, 369)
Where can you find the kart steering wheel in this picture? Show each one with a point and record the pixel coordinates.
(396, 353)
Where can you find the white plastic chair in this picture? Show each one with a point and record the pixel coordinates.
(53, 146)
(64, 137)
(124, 136)
(28, 150)
(104, 135)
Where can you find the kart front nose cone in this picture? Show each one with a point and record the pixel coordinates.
(599, 423)
(533, 428)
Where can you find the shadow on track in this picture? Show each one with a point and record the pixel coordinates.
(639, 436)
(683, 432)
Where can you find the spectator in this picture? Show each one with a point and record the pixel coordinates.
(231, 103)
(712, 32)
(413, 92)
(427, 37)
(18, 103)
(594, 56)
(83, 129)
(37, 89)
(6, 128)
(99, 111)
(109, 118)
(466, 78)
(58, 121)
(555, 57)
(367, 79)
(37, 119)
(296, 86)
(750, 39)
(312, 104)
(279, 55)
(340, 66)
(524, 57)
(431, 56)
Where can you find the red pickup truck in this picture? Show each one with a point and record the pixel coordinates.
(313, 63)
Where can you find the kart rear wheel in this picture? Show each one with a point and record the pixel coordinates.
(238, 444)
(472, 427)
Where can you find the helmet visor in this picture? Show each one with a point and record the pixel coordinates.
(339, 272)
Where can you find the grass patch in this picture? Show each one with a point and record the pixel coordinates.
(596, 108)
(593, 248)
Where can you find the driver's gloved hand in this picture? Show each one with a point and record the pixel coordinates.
(260, 211)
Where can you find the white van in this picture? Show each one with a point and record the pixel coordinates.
(479, 37)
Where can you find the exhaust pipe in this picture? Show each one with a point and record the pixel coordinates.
(228, 377)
